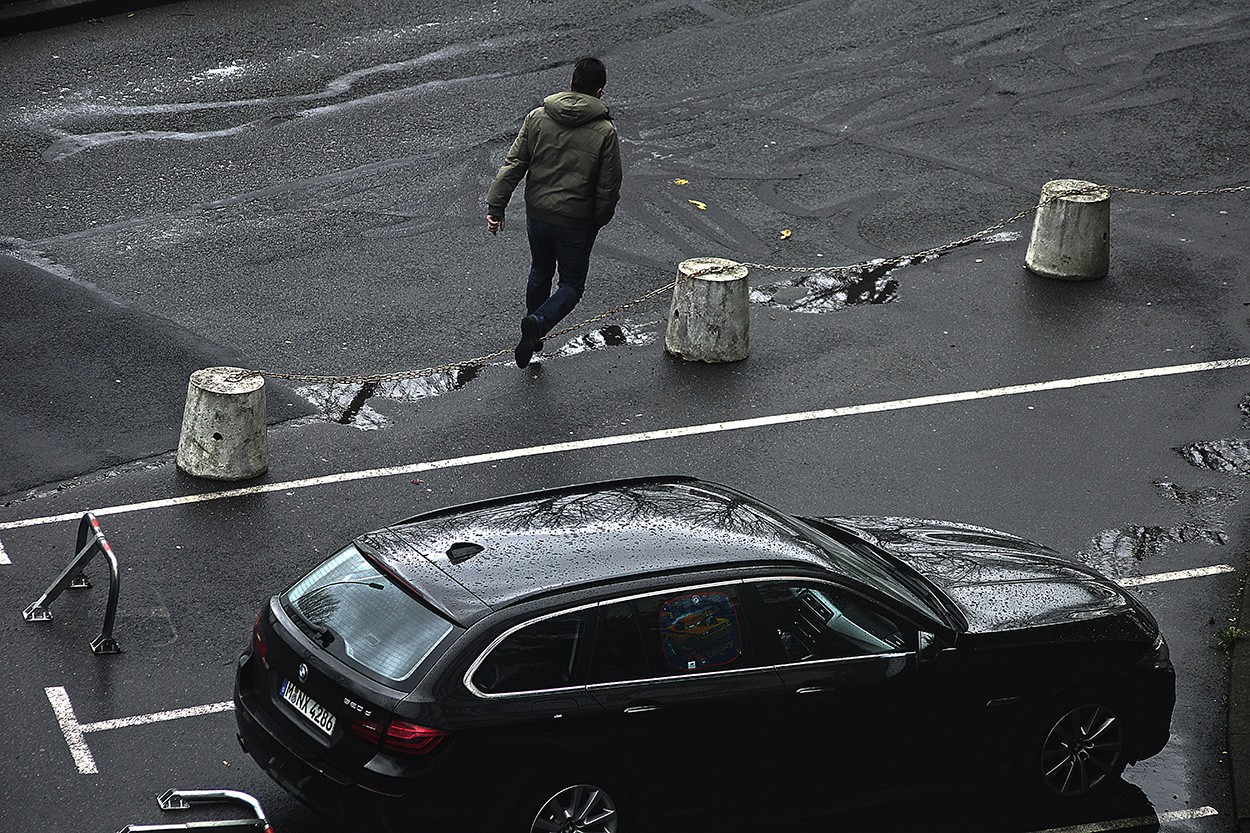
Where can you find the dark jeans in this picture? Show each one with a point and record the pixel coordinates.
(553, 247)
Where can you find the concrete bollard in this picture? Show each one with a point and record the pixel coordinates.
(224, 433)
(1071, 234)
(709, 319)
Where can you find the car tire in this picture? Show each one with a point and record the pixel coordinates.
(1079, 747)
(592, 803)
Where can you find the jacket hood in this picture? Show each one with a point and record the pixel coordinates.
(999, 581)
(573, 109)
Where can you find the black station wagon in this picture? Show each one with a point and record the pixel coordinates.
(632, 655)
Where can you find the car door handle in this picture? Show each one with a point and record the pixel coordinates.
(811, 689)
(641, 709)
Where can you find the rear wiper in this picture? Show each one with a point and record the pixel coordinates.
(322, 632)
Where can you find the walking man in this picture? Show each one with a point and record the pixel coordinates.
(570, 157)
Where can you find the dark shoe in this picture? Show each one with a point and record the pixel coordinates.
(531, 338)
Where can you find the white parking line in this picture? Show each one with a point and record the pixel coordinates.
(1159, 578)
(75, 732)
(70, 727)
(649, 436)
(4, 556)
(1140, 821)
(158, 717)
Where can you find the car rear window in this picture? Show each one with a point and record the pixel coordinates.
(367, 618)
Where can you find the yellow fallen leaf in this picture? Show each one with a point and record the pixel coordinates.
(681, 182)
(785, 233)
(702, 206)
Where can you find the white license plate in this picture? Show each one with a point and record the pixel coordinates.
(310, 708)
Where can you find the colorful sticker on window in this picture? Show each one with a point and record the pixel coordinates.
(700, 631)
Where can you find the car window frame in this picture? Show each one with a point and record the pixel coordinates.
(772, 643)
(579, 658)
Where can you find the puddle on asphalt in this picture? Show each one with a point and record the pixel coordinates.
(348, 404)
(1116, 553)
(613, 335)
(1231, 456)
(830, 291)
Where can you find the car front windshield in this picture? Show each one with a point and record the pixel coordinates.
(873, 571)
(361, 614)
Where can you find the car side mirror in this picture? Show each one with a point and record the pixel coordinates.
(929, 646)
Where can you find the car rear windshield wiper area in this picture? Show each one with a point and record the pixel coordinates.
(364, 618)
(313, 603)
(322, 632)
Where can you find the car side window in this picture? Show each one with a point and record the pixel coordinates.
(818, 621)
(670, 634)
(537, 657)
(618, 654)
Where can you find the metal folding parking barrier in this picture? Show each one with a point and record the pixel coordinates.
(174, 800)
(91, 542)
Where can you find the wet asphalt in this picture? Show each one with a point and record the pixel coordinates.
(299, 188)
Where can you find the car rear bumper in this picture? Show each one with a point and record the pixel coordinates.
(319, 786)
(324, 791)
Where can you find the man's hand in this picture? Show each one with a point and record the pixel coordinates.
(494, 225)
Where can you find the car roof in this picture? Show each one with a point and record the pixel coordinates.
(483, 556)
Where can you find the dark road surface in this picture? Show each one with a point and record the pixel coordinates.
(298, 186)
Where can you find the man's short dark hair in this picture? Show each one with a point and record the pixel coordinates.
(589, 75)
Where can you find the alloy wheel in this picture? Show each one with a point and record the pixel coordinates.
(1083, 749)
(577, 809)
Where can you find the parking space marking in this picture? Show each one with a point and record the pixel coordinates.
(4, 556)
(1140, 821)
(158, 717)
(649, 436)
(1158, 578)
(76, 733)
(70, 727)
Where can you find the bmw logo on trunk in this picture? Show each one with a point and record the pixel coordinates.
(303, 672)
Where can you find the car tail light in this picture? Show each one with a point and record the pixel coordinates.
(258, 642)
(411, 739)
(399, 736)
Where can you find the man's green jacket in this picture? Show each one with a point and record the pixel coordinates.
(572, 156)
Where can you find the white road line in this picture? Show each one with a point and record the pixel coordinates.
(4, 556)
(75, 732)
(1140, 821)
(648, 436)
(158, 717)
(1158, 578)
(70, 727)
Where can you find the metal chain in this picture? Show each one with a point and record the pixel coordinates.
(478, 361)
(1001, 224)
(927, 253)
(1202, 192)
